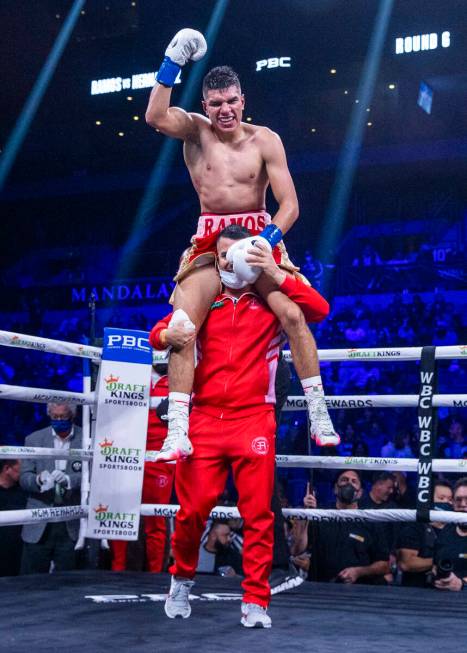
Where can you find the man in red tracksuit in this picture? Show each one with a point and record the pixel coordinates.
(157, 482)
(232, 424)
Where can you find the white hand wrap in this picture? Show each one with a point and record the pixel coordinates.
(180, 317)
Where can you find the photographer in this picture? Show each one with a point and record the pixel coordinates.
(450, 555)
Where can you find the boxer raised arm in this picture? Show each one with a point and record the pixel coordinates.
(231, 164)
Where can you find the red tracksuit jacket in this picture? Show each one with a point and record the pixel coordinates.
(238, 349)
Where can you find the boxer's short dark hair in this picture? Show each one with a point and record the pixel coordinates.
(219, 78)
(234, 232)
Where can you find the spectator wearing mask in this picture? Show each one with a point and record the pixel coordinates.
(416, 542)
(12, 497)
(450, 555)
(346, 552)
(52, 483)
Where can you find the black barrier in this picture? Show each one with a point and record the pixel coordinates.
(427, 426)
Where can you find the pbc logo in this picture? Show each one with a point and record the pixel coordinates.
(260, 446)
(273, 62)
(128, 341)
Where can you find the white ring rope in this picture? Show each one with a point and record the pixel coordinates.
(293, 403)
(44, 396)
(298, 402)
(34, 515)
(67, 513)
(11, 339)
(454, 465)
(385, 354)
(21, 453)
(319, 514)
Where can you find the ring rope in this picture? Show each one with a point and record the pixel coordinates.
(11, 339)
(379, 401)
(443, 352)
(49, 345)
(293, 403)
(320, 514)
(67, 513)
(44, 396)
(454, 465)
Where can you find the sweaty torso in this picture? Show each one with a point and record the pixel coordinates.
(228, 176)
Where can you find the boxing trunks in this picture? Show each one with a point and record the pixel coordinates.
(203, 243)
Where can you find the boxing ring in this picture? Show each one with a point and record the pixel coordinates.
(114, 610)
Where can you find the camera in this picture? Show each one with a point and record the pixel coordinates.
(444, 569)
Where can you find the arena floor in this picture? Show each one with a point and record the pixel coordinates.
(104, 611)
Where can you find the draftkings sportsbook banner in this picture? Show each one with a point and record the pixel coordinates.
(120, 436)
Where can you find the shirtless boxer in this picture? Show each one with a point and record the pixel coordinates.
(231, 164)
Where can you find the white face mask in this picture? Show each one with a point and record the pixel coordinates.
(231, 280)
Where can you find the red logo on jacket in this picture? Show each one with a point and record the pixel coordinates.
(162, 481)
(260, 446)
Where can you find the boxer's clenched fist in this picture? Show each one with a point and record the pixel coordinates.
(186, 44)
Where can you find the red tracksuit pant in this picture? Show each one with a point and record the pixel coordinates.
(246, 445)
(157, 488)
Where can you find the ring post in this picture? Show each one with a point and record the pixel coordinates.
(120, 436)
(427, 424)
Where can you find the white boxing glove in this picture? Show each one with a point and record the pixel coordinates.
(45, 481)
(186, 44)
(236, 255)
(61, 478)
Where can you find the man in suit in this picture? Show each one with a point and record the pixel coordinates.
(52, 483)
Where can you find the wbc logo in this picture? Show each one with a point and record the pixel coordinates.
(260, 446)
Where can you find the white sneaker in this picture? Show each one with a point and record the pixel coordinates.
(254, 616)
(321, 428)
(177, 445)
(177, 603)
